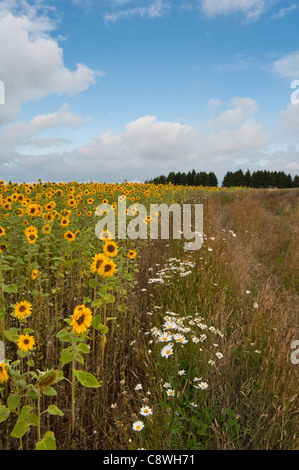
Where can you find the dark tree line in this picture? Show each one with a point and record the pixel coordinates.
(192, 178)
(257, 179)
(260, 179)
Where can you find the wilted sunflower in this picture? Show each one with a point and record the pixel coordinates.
(25, 342)
(23, 309)
(3, 373)
(97, 262)
(107, 268)
(81, 319)
(110, 248)
(69, 236)
(132, 254)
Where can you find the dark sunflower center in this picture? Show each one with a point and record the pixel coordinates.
(80, 319)
(107, 268)
(26, 341)
(110, 248)
(22, 308)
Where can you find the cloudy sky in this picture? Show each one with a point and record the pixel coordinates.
(108, 90)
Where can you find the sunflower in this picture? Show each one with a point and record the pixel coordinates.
(69, 236)
(34, 274)
(25, 342)
(22, 309)
(3, 247)
(97, 262)
(132, 254)
(105, 235)
(81, 319)
(2, 231)
(30, 229)
(110, 248)
(46, 229)
(107, 268)
(64, 221)
(32, 237)
(3, 373)
(33, 210)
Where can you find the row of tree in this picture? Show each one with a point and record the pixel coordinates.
(260, 179)
(257, 179)
(192, 178)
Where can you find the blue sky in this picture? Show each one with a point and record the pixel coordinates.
(131, 89)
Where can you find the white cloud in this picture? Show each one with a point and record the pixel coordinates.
(155, 9)
(30, 133)
(243, 108)
(283, 12)
(32, 65)
(146, 147)
(288, 66)
(252, 9)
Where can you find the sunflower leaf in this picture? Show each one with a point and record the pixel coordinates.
(47, 443)
(86, 379)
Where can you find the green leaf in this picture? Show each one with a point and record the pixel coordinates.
(11, 334)
(103, 329)
(66, 356)
(84, 348)
(54, 410)
(86, 379)
(31, 394)
(47, 443)
(50, 392)
(32, 418)
(97, 303)
(13, 401)
(96, 322)
(20, 429)
(93, 283)
(11, 289)
(4, 413)
(64, 335)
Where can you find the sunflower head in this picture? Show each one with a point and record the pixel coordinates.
(46, 379)
(97, 262)
(26, 342)
(22, 309)
(3, 373)
(69, 236)
(107, 268)
(110, 248)
(81, 319)
(132, 254)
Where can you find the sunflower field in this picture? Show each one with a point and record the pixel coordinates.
(125, 343)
